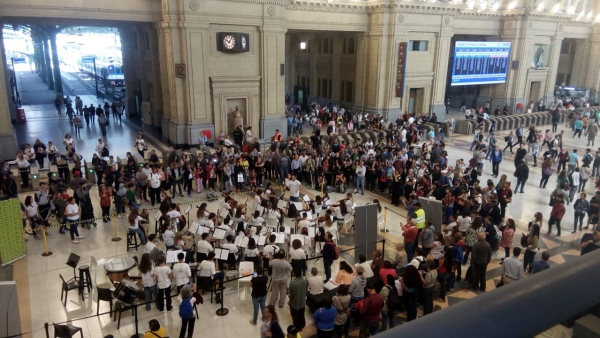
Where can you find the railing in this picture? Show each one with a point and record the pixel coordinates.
(521, 309)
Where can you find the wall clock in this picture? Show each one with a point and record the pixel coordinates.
(233, 42)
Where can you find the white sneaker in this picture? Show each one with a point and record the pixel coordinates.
(75, 242)
(119, 215)
(80, 237)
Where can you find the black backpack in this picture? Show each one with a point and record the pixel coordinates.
(393, 301)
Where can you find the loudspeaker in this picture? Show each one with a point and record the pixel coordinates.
(282, 69)
(515, 65)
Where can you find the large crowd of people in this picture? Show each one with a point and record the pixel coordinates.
(261, 205)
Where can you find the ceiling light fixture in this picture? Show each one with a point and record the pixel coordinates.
(512, 5)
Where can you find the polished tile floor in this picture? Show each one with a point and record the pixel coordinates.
(39, 283)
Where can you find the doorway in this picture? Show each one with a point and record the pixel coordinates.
(412, 101)
(534, 92)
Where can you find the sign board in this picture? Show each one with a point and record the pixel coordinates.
(87, 59)
(401, 72)
(12, 243)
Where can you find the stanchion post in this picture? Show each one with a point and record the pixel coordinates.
(222, 311)
(46, 253)
(383, 249)
(116, 238)
(47, 330)
(385, 219)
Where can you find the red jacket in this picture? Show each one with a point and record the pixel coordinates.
(410, 234)
(558, 210)
(371, 308)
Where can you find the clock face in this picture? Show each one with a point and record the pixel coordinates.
(229, 42)
(244, 43)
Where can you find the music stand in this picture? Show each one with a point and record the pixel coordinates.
(72, 262)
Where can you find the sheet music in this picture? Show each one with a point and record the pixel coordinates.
(281, 204)
(238, 240)
(312, 232)
(280, 237)
(221, 254)
(262, 240)
(220, 233)
(327, 202)
(172, 256)
(306, 198)
(260, 209)
(298, 237)
(330, 285)
(194, 227)
(202, 229)
(286, 229)
(223, 213)
(245, 241)
(309, 215)
(298, 205)
(254, 230)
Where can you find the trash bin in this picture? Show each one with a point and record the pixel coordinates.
(21, 118)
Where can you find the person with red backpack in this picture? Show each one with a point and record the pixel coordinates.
(330, 253)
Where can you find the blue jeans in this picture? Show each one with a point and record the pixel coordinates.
(428, 300)
(521, 183)
(387, 317)
(410, 250)
(410, 299)
(119, 204)
(133, 205)
(354, 300)
(443, 278)
(73, 228)
(360, 183)
(448, 212)
(372, 328)
(284, 172)
(150, 290)
(256, 302)
(327, 265)
(140, 233)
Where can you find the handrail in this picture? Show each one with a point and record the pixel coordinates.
(521, 309)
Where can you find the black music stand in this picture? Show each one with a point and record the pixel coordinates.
(72, 262)
(131, 302)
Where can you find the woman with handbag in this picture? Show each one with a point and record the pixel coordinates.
(532, 245)
(507, 237)
(341, 302)
(547, 171)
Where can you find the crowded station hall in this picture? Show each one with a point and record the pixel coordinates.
(301, 193)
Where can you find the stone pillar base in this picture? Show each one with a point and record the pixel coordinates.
(390, 114)
(269, 125)
(439, 110)
(8, 146)
(185, 135)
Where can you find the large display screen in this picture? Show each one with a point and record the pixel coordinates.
(480, 62)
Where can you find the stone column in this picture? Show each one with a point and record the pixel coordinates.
(128, 37)
(8, 138)
(48, 71)
(361, 71)
(56, 63)
(592, 78)
(272, 35)
(522, 44)
(579, 70)
(553, 67)
(336, 59)
(441, 70)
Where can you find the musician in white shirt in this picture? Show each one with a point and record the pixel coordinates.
(181, 272)
(207, 268)
(203, 248)
(269, 250)
(150, 243)
(304, 222)
(256, 219)
(210, 222)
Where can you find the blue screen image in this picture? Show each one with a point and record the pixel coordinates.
(480, 62)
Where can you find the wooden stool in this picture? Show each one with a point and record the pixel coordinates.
(85, 278)
(132, 242)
